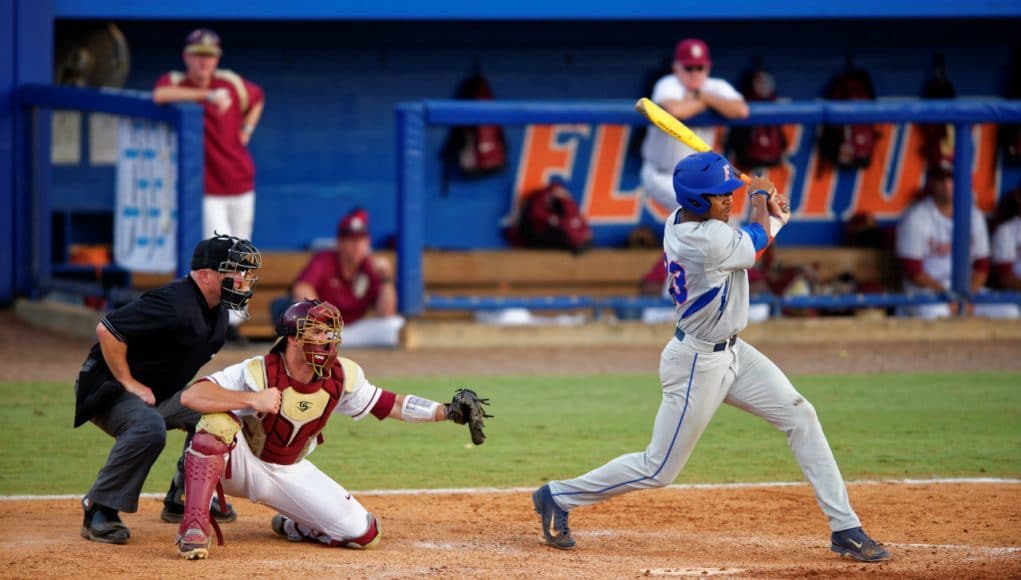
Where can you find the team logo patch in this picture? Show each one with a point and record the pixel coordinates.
(726, 172)
(304, 405)
(361, 285)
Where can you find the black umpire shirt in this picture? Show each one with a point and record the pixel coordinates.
(170, 332)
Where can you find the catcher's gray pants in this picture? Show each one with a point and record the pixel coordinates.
(696, 380)
(140, 432)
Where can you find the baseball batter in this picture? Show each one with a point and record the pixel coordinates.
(281, 403)
(706, 364)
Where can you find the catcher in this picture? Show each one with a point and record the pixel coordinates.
(280, 403)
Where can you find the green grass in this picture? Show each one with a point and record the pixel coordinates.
(893, 426)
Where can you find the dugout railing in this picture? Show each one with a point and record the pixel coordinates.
(34, 270)
(413, 120)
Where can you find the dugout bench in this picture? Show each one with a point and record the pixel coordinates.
(460, 282)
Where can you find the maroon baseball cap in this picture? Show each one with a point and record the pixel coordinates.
(354, 224)
(203, 42)
(692, 52)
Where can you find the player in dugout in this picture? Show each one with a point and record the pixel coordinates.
(355, 280)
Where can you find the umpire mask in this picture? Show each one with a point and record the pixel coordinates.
(237, 261)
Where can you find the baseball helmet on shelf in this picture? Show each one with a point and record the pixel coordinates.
(700, 175)
(317, 326)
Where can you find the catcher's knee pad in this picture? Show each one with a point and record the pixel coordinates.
(367, 540)
(222, 426)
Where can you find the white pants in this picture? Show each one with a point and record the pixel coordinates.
(696, 381)
(374, 331)
(659, 185)
(935, 311)
(299, 491)
(231, 215)
(228, 214)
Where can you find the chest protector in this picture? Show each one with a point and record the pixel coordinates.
(285, 438)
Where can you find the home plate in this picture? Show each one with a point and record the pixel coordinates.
(691, 571)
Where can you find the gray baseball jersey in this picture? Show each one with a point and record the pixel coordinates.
(707, 265)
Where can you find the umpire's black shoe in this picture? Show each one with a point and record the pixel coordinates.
(102, 524)
(173, 512)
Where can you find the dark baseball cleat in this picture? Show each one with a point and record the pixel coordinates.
(279, 525)
(193, 544)
(173, 512)
(102, 524)
(551, 513)
(856, 544)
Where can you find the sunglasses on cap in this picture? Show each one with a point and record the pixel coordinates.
(694, 68)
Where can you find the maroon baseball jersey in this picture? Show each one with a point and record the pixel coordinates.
(286, 437)
(352, 297)
(229, 166)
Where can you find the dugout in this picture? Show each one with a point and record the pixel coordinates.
(334, 74)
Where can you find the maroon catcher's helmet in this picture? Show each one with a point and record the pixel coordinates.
(317, 326)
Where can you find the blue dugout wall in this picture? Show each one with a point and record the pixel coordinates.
(325, 143)
(334, 72)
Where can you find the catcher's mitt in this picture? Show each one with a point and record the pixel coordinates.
(466, 408)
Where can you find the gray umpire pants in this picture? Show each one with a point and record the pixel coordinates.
(140, 432)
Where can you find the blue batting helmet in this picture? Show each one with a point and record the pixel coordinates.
(702, 174)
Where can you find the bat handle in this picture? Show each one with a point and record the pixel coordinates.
(742, 175)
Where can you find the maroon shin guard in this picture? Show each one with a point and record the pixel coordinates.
(203, 465)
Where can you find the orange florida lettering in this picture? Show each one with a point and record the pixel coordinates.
(884, 189)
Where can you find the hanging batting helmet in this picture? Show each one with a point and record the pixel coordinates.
(317, 326)
(700, 175)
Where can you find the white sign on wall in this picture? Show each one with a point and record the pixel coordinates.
(145, 223)
(103, 138)
(66, 137)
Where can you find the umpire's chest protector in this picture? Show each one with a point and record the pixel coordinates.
(286, 437)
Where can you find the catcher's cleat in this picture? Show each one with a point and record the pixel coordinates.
(280, 527)
(102, 524)
(173, 512)
(193, 544)
(856, 544)
(550, 512)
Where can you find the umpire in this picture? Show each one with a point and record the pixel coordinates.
(149, 349)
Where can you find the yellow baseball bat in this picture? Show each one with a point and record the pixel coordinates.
(676, 129)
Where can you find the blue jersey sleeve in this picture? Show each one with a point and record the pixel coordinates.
(758, 235)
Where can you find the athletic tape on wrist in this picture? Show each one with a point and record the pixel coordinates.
(418, 410)
(775, 225)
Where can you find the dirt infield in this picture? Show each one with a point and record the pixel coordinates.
(933, 531)
(936, 530)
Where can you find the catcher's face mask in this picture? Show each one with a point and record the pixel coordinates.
(238, 276)
(319, 334)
